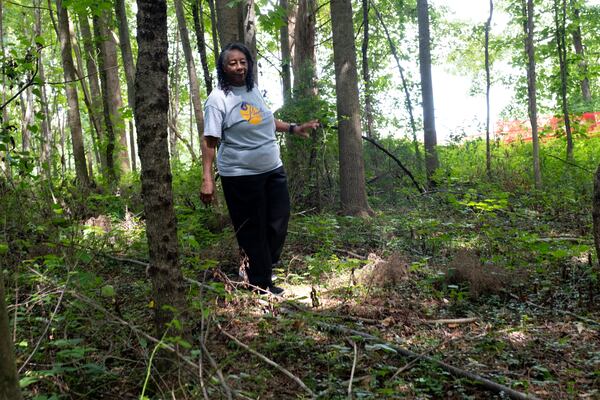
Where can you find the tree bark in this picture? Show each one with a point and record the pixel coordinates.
(27, 118)
(191, 68)
(229, 22)
(151, 113)
(430, 136)
(284, 37)
(46, 135)
(72, 97)
(174, 101)
(488, 85)
(129, 67)
(528, 14)
(199, 28)
(249, 32)
(9, 380)
(305, 85)
(584, 82)
(353, 194)
(366, 74)
(95, 92)
(111, 96)
(560, 22)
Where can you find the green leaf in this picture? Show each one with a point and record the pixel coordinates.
(108, 291)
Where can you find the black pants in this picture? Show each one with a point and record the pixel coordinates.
(259, 206)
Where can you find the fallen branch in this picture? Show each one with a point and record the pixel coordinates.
(410, 175)
(450, 321)
(268, 361)
(486, 383)
(353, 369)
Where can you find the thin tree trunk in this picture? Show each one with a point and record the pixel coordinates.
(95, 92)
(431, 158)
(151, 114)
(249, 31)
(27, 118)
(407, 100)
(191, 68)
(365, 71)
(129, 67)
(528, 14)
(72, 97)
(213, 29)
(2, 53)
(174, 101)
(560, 17)
(488, 85)
(199, 28)
(9, 380)
(584, 82)
(111, 95)
(352, 176)
(46, 134)
(284, 37)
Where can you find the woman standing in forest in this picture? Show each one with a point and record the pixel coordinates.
(254, 181)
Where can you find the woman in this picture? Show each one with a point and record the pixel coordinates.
(248, 161)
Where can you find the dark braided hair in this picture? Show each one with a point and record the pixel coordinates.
(224, 84)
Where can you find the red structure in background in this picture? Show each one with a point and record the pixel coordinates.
(548, 127)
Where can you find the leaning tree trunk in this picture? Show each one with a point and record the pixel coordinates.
(488, 85)
(191, 68)
(560, 22)
(528, 13)
(584, 82)
(352, 171)
(97, 116)
(129, 67)
(596, 214)
(9, 380)
(151, 113)
(72, 97)
(199, 28)
(431, 157)
(111, 96)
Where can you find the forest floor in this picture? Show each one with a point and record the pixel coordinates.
(503, 291)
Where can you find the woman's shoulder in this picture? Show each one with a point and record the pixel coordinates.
(216, 98)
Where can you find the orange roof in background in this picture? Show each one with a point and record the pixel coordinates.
(511, 131)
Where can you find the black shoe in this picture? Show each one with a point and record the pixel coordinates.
(274, 290)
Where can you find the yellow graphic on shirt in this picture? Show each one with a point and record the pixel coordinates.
(250, 113)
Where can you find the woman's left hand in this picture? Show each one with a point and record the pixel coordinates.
(304, 129)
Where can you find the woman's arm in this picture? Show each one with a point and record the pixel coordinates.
(209, 150)
(302, 130)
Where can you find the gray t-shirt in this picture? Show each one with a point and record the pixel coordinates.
(246, 127)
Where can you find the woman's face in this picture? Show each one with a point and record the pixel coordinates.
(236, 67)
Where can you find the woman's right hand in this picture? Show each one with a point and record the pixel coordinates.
(207, 191)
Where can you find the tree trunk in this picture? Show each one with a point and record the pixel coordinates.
(229, 22)
(407, 99)
(284, 36)
(596, 215)
(365, 71)
(95, 93)
(9, 380)
(151, 113)
(488, 85)
(528, 14)
(72, 97)
(191, 68)
(129, 67)
(27, 118)
(431, 158)
(249, 32)
(352, 176)
(199, 28)
(584, 82)
(174, 101)
(2, 54)
(305, 86)
(46, 133)
(560, 17)
(111, 96)
(213, 29)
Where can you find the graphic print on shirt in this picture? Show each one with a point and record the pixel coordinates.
(250, 113)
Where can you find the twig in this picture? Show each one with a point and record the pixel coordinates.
(37, 345)
(220, 376)
(569, 313)
(268, 361)
(451, 321)
(486, 383)
(353, 369)
(570, 163)
(416, 360)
